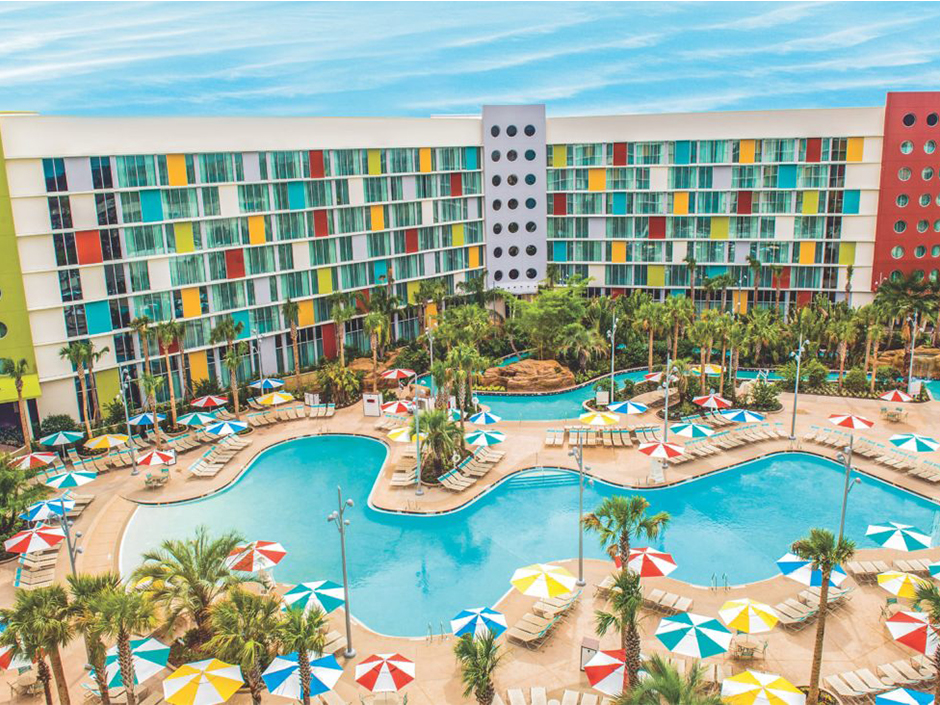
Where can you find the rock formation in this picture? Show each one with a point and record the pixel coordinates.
(529, 376)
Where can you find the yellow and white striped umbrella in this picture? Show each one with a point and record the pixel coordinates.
(599, 418)
(543, 580)
(748, 616)
(207, 682)
(404, 435)
(106, 441)
(274, 398)
(900, 584)
(757, 688)
(710, 369)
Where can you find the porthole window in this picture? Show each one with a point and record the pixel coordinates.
(529, 155)
(907, 147)
(924, 199)
(497, 204)
(497, 252)
(513, 273)
(927, 173)
(530, 203)
(531, 273)
(920, 251)
(902, 200)
(513, 251)
(530, 179)
(897, 252)
(904, 173)
(512, 179)
(530, 226)
(934, 275)
(918, 275)
(495, 155)
(938, 199)
(498, 275)
(511, 155)
(909, 120)
(511, 130)
(899, 225)
(930, 146)
(935, 251)
(494, 130)
(497, 180)
(531, 250)
(896, 275)
(514, 227)
(529, 130)
(513, 204)
(498, 228)
(922, 226)
(932, 120)
(3, 330)
(936, 226)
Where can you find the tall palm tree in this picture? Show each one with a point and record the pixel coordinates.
(843, 331)
(825, 552)
(465, 360)
(849, 273)
(626, 598)
(478, 658)
(433, 291)
(763, 331)
(18, 369)
(754, 264)
(703, 333)
(678, 312)
(376, 325)
(692, 267)
(231, 361)
(777, 271)
(141, 326)
(226, 331)
(618, 519)
(723, 323)
(291, 312)
(75, 354)
(124, 613)
(583, 343)
(341, 312)
(440, 437)
(443, 377)
(928, 599)
(302, 632)
(150, 385)
(664, 685)
(648, 320)
(93, 357)
(26, 643)
(86, 591)
(168, 333)
(244, 631)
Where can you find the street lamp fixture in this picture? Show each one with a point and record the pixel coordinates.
(910, 369)
(798, 356)
(612, 336)
(339, 519)
(846, 459)
(578, 454)
(125, 390)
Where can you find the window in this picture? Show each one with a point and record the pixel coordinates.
(187, 270)
(130, 207)
(60, 212)
(210, 201)
(179, 203)
(54, 171)
(902, 200)
(101, 172)
(907, 147)
(253, 198)
(927, 173)
(144, 240)
(897, 252)
(120, 314)
(65, 252)
(124, 346)
(110, 244)
(930, 147)
(70, 285)
(106, 207)
(114, 279)
(217, 168)
(837, 149)
(904, 173)
(920, 251)
(136, 171)
(140, 276)
(75, 325)
(900, 226)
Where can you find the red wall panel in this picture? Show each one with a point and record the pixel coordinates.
(316, 164)
(321, 224)
(804, 298)
(411, 240)
(456, 184)
(234, 264)
(784, 279)
(559, 204)
(620, 154)
(328, 337)
(813, 149)
(88, 246)
(744, 202)
(657, 227)
(362, 301)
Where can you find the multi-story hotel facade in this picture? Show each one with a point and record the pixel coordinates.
(103, 220)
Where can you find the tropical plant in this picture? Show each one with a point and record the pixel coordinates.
(678, 312)
(754, 264)
(86, 591)
(150, 385)
(92, 357)
(232, 360)
(478, 658)
(702, 332)
(376, 325)
(302, 632)
(18, 489)
(141, 326)
(440, 440)
(545, 318)
(856, 381)
(583, 343)
(928, 599)
(692, 267)
(168, 333)
(624, 615)
(665, 685)
(291, 312)
(25, 642)
(122, 614)
(442, 375)
(777, 272)
(843, 331)
(648, 319)
(17, 370)
(75, 354)
(341, 312)
(338, 382)
(618, 519)
(763, 331)
(465, 361)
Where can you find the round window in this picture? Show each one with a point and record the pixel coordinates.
(513, 204)
(511, 130)
(935, 251)
(513, 273)
(530, 203)
(530, 226)
(531, 250)
(896, 275)
(529, 130)
(530, 179)
(498, 228)
(932, 119)
(934, 275)
(922, 226)
(511, 155)
(497, 180)
(512, 179)
(497, 204)
(531, 273)
(498, 275)
(902, 200)
(3, 330)
(920, 251)
(904, 173)
(930, 146)
(529, 155)
(907, 147)
(514, 227)
(936, 226)
(513, 251)
(497, 252)
(924, 199)
(919, 275)
(897, 252)
(927, 173)
(494, 130)
(909, 120)
(899, 225)
(495, 155)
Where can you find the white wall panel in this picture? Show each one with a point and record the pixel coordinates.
(47, 326)
(78, 173)
(252, 166)
(427, 212)
(783, 229)
(84, 213)
(659, 178)
(228, 200)
(30, 215)
(36, 253)
(42, 290)
(301, 255)
(26, 178)
(356, 192)
(159, 268)
(862, 176)
(93, 284)
(58, 397)
(49, 364)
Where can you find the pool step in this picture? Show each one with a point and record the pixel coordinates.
(543, 478)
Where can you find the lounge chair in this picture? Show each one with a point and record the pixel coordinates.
(844, 690)
(516, 697)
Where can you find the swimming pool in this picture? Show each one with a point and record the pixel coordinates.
(409, 571)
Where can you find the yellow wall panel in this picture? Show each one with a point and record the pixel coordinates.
(191, 305)
(183, 232)
(680, 203)
(473, 255)
(739, 301)
(655, 275)
(378, 218)
(854, 149)
(456, 232)
(375, 161)
(746, 155)
(597, 179)
(810, 202)
(424, 159)
(618, 251)
(559, 155)
(412, 289)
(325, 281)
(719, 229)
(256, 234)
(305, 313)
(847, 253)
(807, 252)
(198, 365)
(176, 169)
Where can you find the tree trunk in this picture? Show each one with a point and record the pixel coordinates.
(342, 345)
(487, 694)
(255, 685)
(61, 684)
(624, 550)
(701, 353)
(21, 404)
(375, 364)
(93, 391)
(84, 391)
(97, 665)
(721, 377)
(675, 340)
(874, 364)
(296, 351)
(812, 697)
(777, 300)
(461, 398)
(126, 661)
(42, 674)
(145, 344)
(650, 360)
(631, 647)
(184, 387)
(169, 379)
(303, 666)
(867, 351)
(936, 667)
(843, 350)
(234, 387)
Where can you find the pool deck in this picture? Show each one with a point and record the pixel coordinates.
(856, 636)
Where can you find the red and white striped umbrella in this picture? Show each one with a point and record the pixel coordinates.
(653, 376)
(661, 450)
(155, 458)
(913, 629)
(31, 461)
(257, 555)
(398, 373)
(712, 401)
(850, 421)
(606, 671)
(39, 538)
(896, 395)
(209, 402)
(385, 673)
(649, 562)
(397, 407)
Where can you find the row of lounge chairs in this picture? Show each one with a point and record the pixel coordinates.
(390, 421)
(516, 696)
(588, 436)
(532, 630)
(866, 571)
(214, 459)
(37, 568)
(471, 469)
(653, 598)
(797, 613)
(862, 685)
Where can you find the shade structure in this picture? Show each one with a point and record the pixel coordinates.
(802, 571)
(851, 421)
(599, 418)
(71, 478)
(694, 635)
(543, 580)
(226, 428)
(255, 556)
(902, 537)
(274, 398)
(934, 568)
(455, 414)
(627, 407)
(146, 419)
(748, 616)
(479, 437)
(210, 401)
(904, 696)
(692, 430)
(156, 458)
(914, 631)
(61, 438)
(397, 407)
(196, 418)
(914, 442)
(478, 621)
(403, 434)
(606, 671)
(149, 656)
(397, 373)
(712, 401)
(901, 584)
(39, 538)
(32, 461)
(48, 509)
(385, 673)
(661, 450)
(484, 418)
(8, 656)
(649, 562)
(206, 682)
(320, 594)
(653, 377)
(106, 441)
(710, 370)
(896, 395)
(742, 415)
(282, 677)
(267, 383)
(758, 688)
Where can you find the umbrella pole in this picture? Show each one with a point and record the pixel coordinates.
(125, 383)
(579, 456)
(846, 459)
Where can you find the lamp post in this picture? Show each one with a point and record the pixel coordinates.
(125, 388)
(578, 454)
(338, 518)
(798, 356)
(256, 334)
(668, 377)
(419, 490)
(612, 334)
(430, 334)
(910, 368)
(846, 459)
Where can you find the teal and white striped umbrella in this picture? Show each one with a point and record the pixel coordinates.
(627, 407)
(72, 478)
(485, 438)
(226, 428)
(61, 438)
(455, 414)
(694, 635)
(149, 655)
(902, 537)
(145, 419)
(324, 594)
(484, 418)
(692, 430)
(197, 418)
(914, 442)
(742, 415)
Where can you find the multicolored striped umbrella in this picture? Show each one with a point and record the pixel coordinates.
(914, 442)
(902, 537)
(757, 688)
(197, 418)
(484, 418)
(9, 659)
(599, 418)
(70, 478)
(403, 434)
(455, 414)
(145, 419)
(32, 461)
(39, 538)
(226, 428)
(896, 395)
(802, 571)
(274, 398)
(692, 430)
(606, 671)
(901, 584)
(61, 438)
(904, 696)
(207, 682)
(255, 556)
(648, 562)
(398, 373)
(627, 407)
(478, 621)
(282, 677)
(106, 441)
(320, 594)
(385, 673)
(653, 377)
(156, 458)
(46, 509)
(543, 580)
(210, 401)
(479, 437)
(694, 635)
(748, 616)
(712, 401)
(934, 568)
(913, 629)
(661, 450)
(851, 421)
(267, 384)
(710, 370)
(149, 657)
(741, 415)
(397, 407)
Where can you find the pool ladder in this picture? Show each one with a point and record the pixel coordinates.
(722, 585)
(430, 637)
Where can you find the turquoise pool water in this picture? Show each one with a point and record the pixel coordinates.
(408, 571)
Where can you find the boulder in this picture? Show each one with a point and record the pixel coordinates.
(530, 376)
(926, 361)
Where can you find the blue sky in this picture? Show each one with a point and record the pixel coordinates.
(449, 58)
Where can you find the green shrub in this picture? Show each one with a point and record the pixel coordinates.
(205, 387)
(815, 373)
(58, 422)
(855, 380)
(414, 357)
(113, 412)
(764, 396)
(885, 376)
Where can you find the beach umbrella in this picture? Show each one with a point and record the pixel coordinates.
(712, 401)
(627, 407)
(196, 418)
(61, 438)
(267, 384)
(210, 401)
(70, 478)
(385, 673)
(226, 428)
(900, 536)
(479, 437)
(106, 441)
(282, 677)
(155, 458)
(599, 418)
(901, 584)
(403, 434)
(478, 621)
(455, 414)
(748, 616)
(32, 461)
(484, 418)
(398, 407)
(274, 398)
(145, 419)
(254, 556)
(398, 373)
(206, 682)
(802, 571)
(850, 421)
(543, 580)
(741, 415)
(648, 562)
(40, 538)
(934, 568)
(694, 635)
(653, 377)
(913, 629)
(896, 395)
(48, 509)
(692, 430)
(904, 696)
(710, 370)
(606, 671)
(8, 658)
(757, 688)
(914, 442)
(149, 657)
(661, 450)
(320, 594)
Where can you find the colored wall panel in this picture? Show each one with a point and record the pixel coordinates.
(807, 252)
(98, 317)
(744, 202)
(782, 281)
(683, 152)
(256, 234)
(191, 304)
(854, 149)
(328, 338)
(424, 159)
(378, 217)
(457, 235)
(559, 204)
(234, 264)
(88, 246)
(559, 251)
(618, 252)
(411, 240)
(804, 298)
(597, 179)
(847, 253)
(176, 169)
(657, 227)
(473, 257)
(183, 234)
(321, 223)
(151, 207)
(620, 154)
(471, 158)
(813, 149)
(198, 366)
(243, 318)
(786, 176)
(430, 315)
(296, 195)
(412, 292)
(655, 275)
(108, 384)
(305, 315)
(619, 204)
(559, 156)
(374, 158)
(456, 184)
(810, 202)
(680, 203)
(850, 200)
(739, 301)
(379, 271)
(316, 164)
(746, 152)
(719, 229)
(325, 281)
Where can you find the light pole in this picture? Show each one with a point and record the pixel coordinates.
(798, 356)
(339, 518)
(419, 490)
(667, 378)
(430, 334)
(612, 334)
(125, 388)
(578, 454)
(257, 338)
(910, 368)
(846, 459)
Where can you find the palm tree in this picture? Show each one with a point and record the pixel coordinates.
(168, 333)
(618, 519)
(478, 659)
(443, 377)
(777, 271)
(843, 331)
(376, 325)
(245, 629)
(723, 323)
(86, 591)
(440, 436)
(678, 312)
(664, 685)
(928, 599)
(302, 632)
(291, 312)
(703, 333)
(188, 576)
(430, 290)
(762, 331)
(648, 320)
(552, 275)
(92, 357)
(18, 369)
(26, 643)
(582, 343)
(626, 598)
(124, 613)
(341, 312)
(141, 326)
(826, 553)
(849, 273)
(231, 361)
(723, 283)
(754, 264)
(465, 360)
(150, 385)
(692, 267)
(75, 354)
(226, 330)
